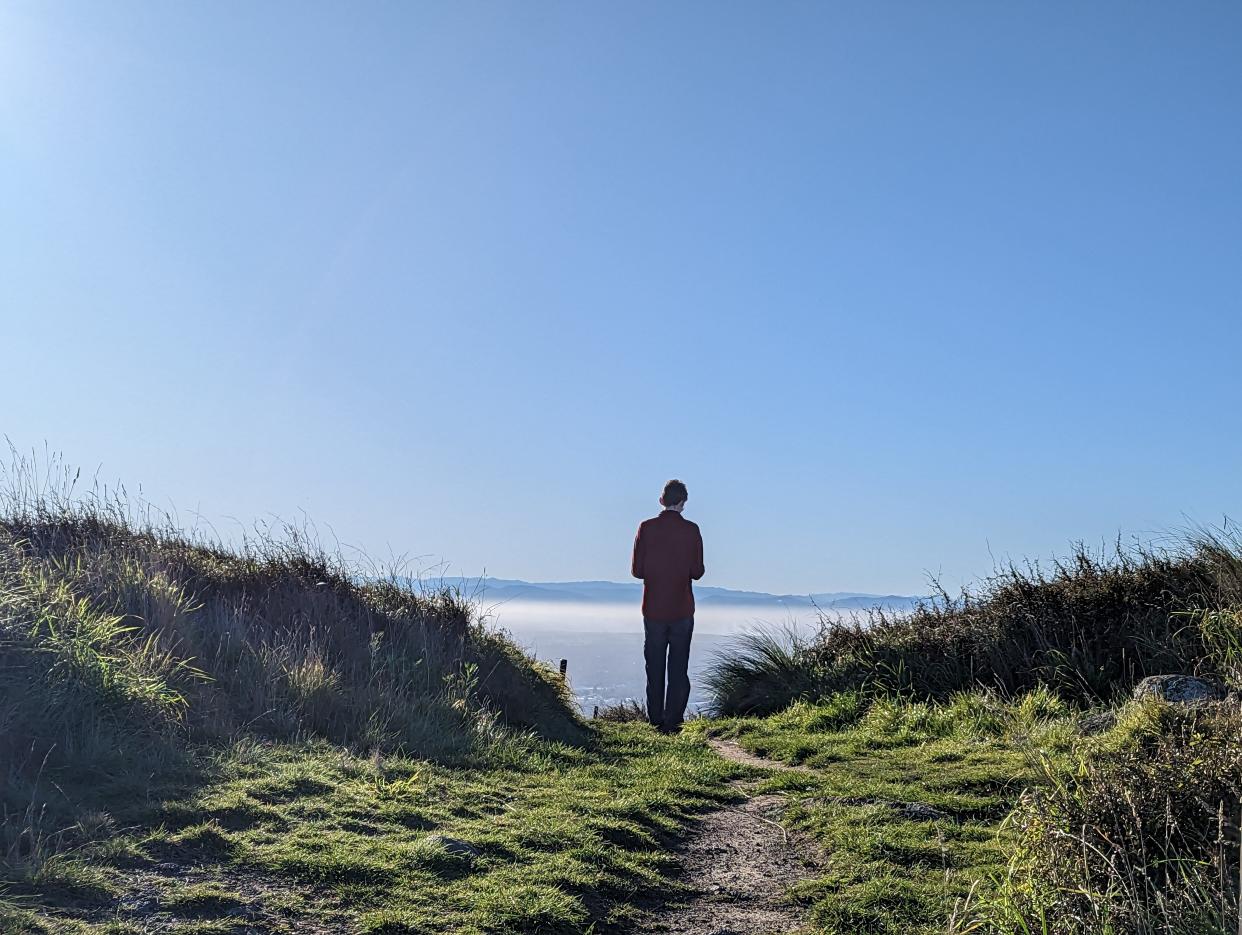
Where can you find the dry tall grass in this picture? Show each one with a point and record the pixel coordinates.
(1090, 626)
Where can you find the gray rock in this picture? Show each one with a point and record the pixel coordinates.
(917, 811)
(140, 905)
(1180, 689)
(455, 846)
(1096, 722)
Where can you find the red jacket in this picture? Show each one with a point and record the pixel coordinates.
(668, 553)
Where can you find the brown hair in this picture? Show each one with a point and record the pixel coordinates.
(674, 493)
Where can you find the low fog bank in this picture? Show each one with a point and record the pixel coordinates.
(607, 668)
(603, 643)
(520, 617)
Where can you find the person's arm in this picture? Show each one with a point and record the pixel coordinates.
(696, 560)
(640, 549)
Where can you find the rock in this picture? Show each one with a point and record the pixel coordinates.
(1096, 722)
(917, 811)
(140, 905)
(455, 846)
(1179, 689)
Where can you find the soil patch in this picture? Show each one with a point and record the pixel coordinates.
(738, 865)
(732, 750)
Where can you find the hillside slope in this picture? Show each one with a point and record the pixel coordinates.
(978, 764)
(203, 739)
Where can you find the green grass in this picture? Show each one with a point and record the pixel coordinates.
(202, 739)
(1134, 832)
(908, 801)
(563, 837)
(264, 736)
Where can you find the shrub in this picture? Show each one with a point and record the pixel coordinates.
(1089, 627)
(1138, 835)
(1221, 632)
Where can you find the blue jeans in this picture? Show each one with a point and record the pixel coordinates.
(666, 648)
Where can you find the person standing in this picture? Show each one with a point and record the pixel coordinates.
(668, 555)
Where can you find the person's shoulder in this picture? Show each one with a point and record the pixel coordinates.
(692, 524)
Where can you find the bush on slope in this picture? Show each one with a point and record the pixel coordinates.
(1090, 627)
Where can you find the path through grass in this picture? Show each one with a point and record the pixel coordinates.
(907, 800)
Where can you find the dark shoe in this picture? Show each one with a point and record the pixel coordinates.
(670, 729)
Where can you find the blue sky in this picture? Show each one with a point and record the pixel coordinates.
(897, 288)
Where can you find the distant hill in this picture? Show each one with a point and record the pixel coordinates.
(502, 590)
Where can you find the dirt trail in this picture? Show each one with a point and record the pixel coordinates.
(738, 864)
(733, 751)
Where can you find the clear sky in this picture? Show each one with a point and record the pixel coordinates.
(896, 288)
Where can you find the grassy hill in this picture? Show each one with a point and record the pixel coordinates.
(977, 765)
(202, 739)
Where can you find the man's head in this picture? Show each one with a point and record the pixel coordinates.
(674, 496)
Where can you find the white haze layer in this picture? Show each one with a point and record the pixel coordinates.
(520, 617)
(603, 642)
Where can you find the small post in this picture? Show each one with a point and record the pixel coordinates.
(564, 667)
